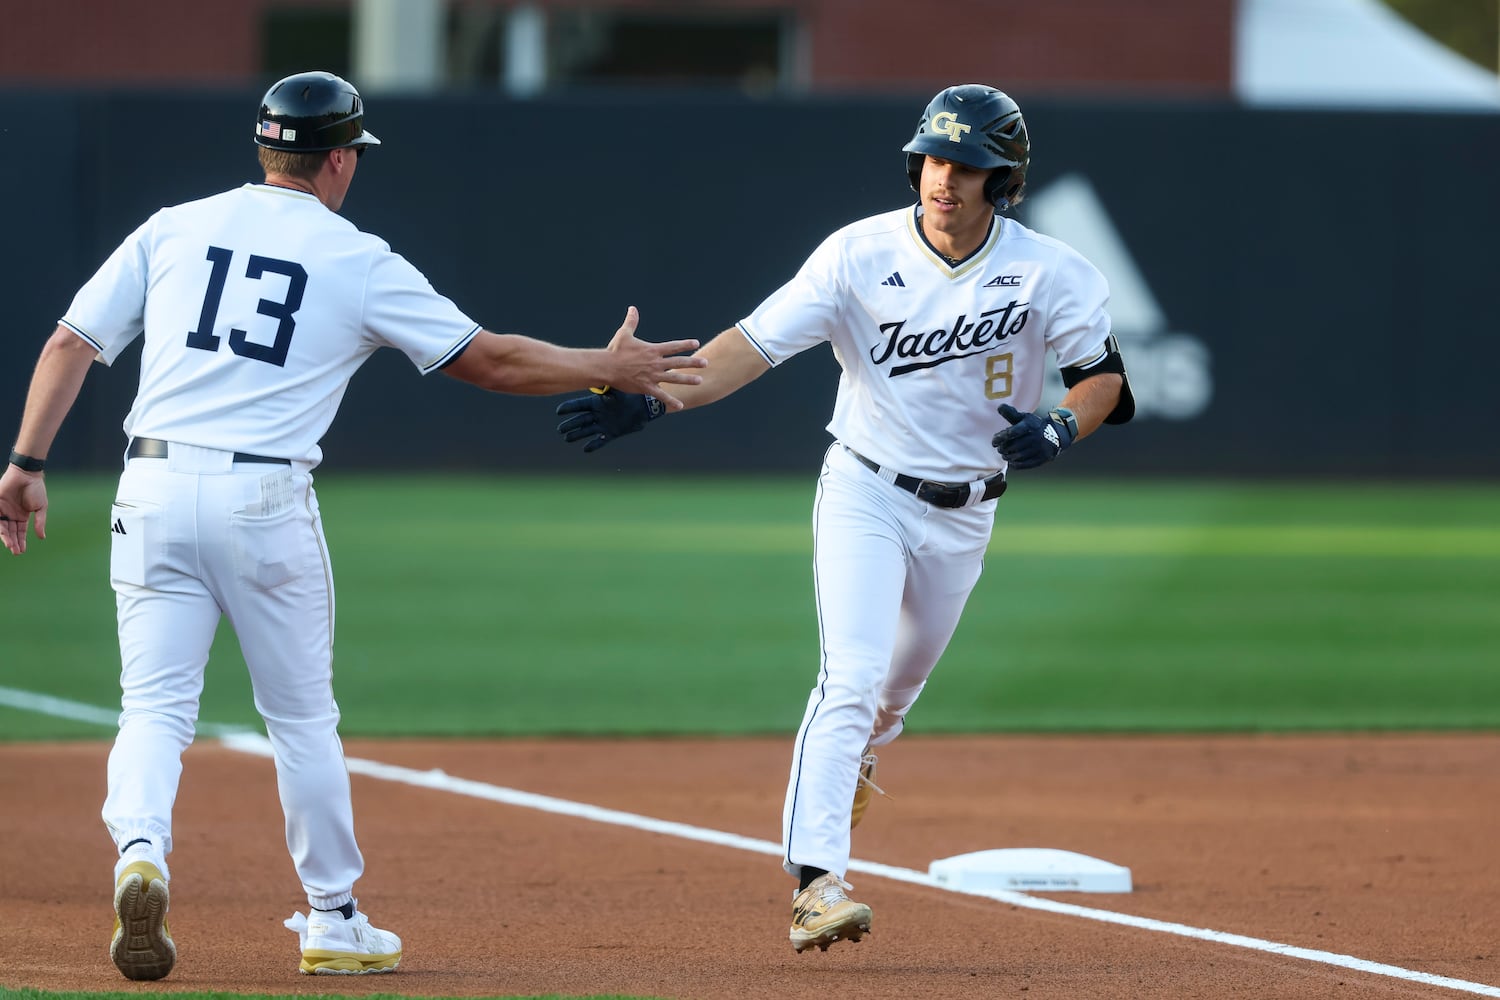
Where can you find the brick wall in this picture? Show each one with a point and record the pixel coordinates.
(1129, 47)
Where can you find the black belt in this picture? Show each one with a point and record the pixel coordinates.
(157, 448)
(937, 494)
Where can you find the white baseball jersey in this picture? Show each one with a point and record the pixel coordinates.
(257, 306)
(928, 349)
(263, 302)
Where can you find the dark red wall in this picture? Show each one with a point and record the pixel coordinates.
(1025, 46)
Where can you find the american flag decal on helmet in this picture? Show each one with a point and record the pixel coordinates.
(271, 130)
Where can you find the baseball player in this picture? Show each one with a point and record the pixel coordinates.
(257, 306)
(940, 316)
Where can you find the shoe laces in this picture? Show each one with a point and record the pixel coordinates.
(866, 767)
(831, 889)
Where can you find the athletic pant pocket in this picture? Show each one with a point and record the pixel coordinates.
(135, 541)
(272, 551)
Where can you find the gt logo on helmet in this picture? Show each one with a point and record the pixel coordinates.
(947, 123)
(995, 140)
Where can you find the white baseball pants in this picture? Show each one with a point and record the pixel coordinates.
(891, 574)
(196, 536)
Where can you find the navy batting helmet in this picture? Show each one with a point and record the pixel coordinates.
(312, 113)
(979, 127)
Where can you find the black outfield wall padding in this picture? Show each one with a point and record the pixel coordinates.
(1296, 293)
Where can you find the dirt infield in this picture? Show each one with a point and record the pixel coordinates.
(1374, 848)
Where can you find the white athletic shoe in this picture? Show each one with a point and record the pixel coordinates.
(333, 946)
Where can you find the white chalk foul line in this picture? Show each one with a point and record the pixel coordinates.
(245, 741)
(62, 708)
(442, 781)
(1183, 930)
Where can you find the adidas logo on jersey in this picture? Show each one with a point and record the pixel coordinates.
(894, 280)
(1004, 281)
(118, 528)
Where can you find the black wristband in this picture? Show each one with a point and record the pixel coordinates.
(26, 463)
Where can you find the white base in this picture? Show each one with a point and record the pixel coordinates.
(1030, 869)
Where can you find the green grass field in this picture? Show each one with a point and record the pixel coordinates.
(488, 606)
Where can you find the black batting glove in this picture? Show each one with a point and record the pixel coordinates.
(1033, 439)
(603, 416)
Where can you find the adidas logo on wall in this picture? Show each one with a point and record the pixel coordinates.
(1170, 370)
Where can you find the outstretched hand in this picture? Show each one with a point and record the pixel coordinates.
(1031, 439)
(21, 495)
(643, 366)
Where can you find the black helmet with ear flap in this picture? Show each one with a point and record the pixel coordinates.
(979, 127)
(312, 113)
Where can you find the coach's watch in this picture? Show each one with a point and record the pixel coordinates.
(26, 463)
(1064, 416)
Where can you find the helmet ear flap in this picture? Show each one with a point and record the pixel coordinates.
(1000, 189)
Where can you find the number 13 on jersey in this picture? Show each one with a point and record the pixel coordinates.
(282, 311)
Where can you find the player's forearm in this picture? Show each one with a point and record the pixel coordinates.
(732, 364)
(536, 368)
(1092, 400)
(512, 363)
(59, 374)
